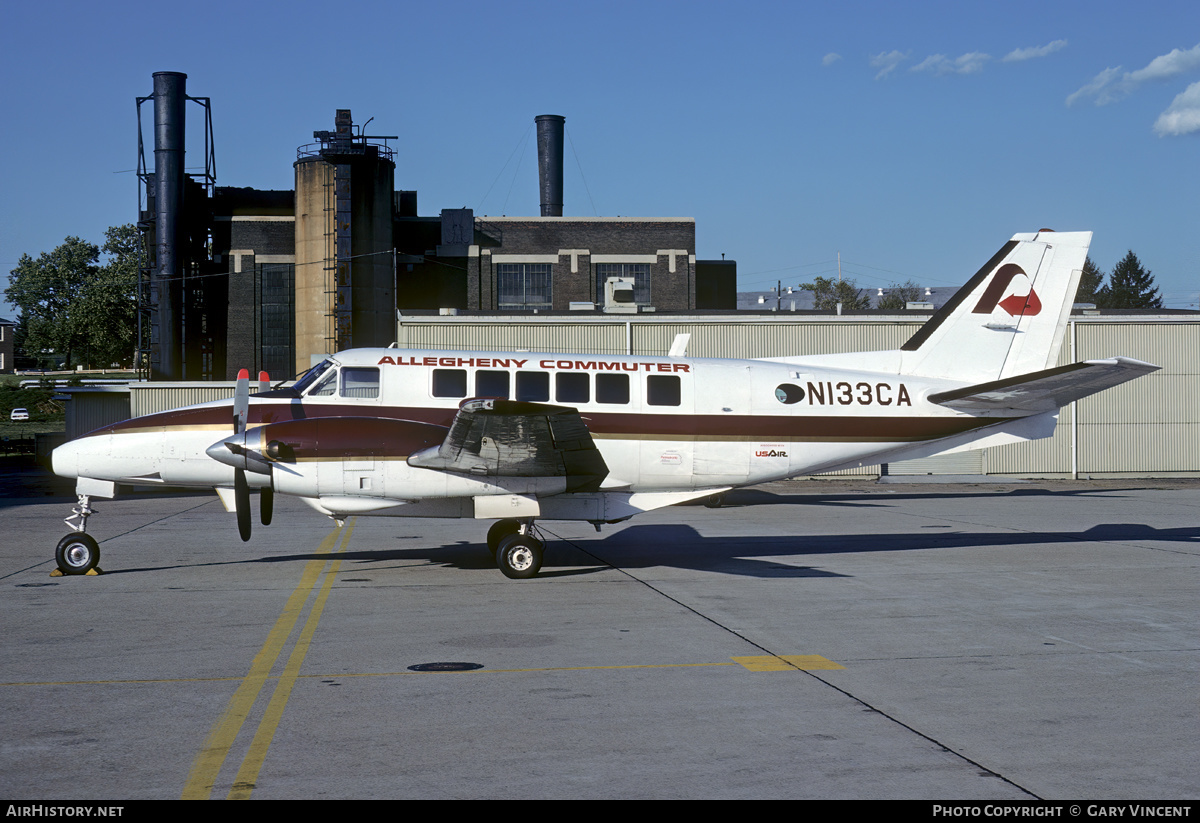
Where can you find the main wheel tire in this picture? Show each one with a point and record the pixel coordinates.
(519, 556)
(77, 554)
(500, 530)
(714, 501)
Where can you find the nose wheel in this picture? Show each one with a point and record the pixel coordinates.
(77, 554)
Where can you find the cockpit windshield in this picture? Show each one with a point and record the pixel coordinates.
(311, 376)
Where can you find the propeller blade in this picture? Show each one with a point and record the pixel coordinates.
(241, 402)
(266, 501)
(264, 382)
(241, 499)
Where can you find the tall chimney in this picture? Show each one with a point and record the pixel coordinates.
(550, 162)
(170, 100)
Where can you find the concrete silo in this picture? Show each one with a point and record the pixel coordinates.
(345, 274)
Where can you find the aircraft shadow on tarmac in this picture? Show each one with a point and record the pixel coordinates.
(682, 546)
(874, 496)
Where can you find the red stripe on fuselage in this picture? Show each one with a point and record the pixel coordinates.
(603, 424)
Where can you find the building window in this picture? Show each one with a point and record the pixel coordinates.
(639, 273)
(277, 318)
(523, 285)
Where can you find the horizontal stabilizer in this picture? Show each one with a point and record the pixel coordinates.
(1044, 390)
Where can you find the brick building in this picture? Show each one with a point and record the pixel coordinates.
(507, 265)
(7, 329)
(254, 240)
(519, 264)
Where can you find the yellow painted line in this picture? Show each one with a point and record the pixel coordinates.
(208, 762)
(786, 663)
(247, 775)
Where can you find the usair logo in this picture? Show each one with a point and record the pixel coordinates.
(1022, 300)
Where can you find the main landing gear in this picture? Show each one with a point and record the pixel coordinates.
(78, 553)
(517, 547)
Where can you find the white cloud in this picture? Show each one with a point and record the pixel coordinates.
(969, 63)
(1182, 116)
(1112, 85)
(830, 59)
(886, 62)
(931, 63)
(1034, 51)
(1097, 84)
(1168, 65)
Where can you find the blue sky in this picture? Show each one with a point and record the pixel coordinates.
(911, 138)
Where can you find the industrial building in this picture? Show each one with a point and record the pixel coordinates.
(240, 278)
(7, 329)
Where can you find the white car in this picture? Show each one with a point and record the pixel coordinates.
(19, 414)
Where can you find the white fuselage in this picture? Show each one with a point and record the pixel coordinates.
(662, 424)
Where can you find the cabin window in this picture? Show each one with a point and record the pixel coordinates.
(360, 382)
(312, 375)
(571, 387)
(788, 393)
(449, 382)
(533, 386)
(662, 390)
(612, 388)
(325, 385)
(491, 384)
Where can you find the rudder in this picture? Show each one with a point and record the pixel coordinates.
(1010, 318)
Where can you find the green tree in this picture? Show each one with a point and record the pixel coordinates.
(108, 309)
(1090, 283)
(72, 308)
(897, 296)
(1129, 287)
(44, 291)
(828, 293)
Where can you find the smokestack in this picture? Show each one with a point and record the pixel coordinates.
(550, 162)
(170, 100)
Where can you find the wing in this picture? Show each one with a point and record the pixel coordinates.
(1043, 390)
(509, 438)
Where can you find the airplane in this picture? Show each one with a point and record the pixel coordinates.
(518, 437)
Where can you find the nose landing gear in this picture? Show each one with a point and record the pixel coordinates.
(78, 553)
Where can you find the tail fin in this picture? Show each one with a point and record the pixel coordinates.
(1009, 319)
